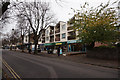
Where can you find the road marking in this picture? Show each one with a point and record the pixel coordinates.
(10, 71)
(15, 75)
(50, 69)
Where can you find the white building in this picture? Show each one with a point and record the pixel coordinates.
(62, 34)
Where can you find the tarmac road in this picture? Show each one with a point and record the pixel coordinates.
(33, 66)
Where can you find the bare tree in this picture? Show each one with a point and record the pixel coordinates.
(23, 28)
(38, 16)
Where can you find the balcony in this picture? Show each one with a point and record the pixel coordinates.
(57, 31)
(43, 41)
(43, 35)
(51, 32)
(71, 33)
(70, 28)
(57, 39)
(52, 40)
(71, 37)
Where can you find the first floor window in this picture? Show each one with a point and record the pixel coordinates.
(63, 36)
(47, 38)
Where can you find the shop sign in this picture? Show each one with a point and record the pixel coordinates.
(72, 41)
(49, 44)
(58, 43)
(79, 41)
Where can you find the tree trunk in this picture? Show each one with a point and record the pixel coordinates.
(36, 43)
(22, 43)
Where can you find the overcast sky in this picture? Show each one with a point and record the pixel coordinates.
(62, 12)
(62, 9)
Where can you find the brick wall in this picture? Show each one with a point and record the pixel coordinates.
(97, 44)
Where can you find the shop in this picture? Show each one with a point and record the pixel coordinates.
(54, 46)
(62, 45)
(41, 47)
(75, 46)
(49, 47)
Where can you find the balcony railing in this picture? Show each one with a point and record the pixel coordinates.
(43, 34)
(51, 32)
(51, 40)
(71, 37)
(71, 34)
(57, 39)
(70, 28)
(43, 41)
(57, 31)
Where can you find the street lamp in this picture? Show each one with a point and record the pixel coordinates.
(12, 38)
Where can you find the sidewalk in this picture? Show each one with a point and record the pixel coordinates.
(81, 58)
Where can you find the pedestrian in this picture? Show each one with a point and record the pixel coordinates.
(58, 51)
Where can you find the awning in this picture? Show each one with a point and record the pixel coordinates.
(49, 44)
(41, 44)
(60, 43)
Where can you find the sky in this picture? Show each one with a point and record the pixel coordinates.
(65, 8)
(62, 9)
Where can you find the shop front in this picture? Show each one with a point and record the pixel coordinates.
(75, 46)
(53, 47)
(41, 47)
(49, 47)
(62, 45)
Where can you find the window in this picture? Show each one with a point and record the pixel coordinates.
(63, 27)
(47, 38)
(63, 36)
(47, 32)
(26, 38)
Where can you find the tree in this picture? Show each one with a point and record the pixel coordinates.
(11, 38)
(22, 28)
(4, 6)
(38, 15)
(95, 24)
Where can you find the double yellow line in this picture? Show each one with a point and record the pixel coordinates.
(15, 75)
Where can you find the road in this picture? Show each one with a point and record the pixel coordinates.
(33, 66)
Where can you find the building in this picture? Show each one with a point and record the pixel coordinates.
(61, 35)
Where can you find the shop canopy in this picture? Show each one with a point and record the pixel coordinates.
(49, 44)
(53, 44)
(60, 43)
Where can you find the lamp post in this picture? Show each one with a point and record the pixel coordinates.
(29, 42)
(12, 38)
(22, 41)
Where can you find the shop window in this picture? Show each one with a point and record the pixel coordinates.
(63, 36)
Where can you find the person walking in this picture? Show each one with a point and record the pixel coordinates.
(58, 51)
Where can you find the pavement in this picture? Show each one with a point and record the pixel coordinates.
(25, 65)
(81, 58)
